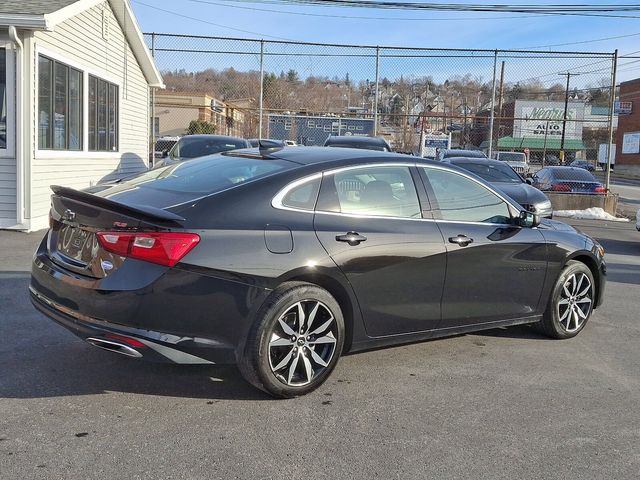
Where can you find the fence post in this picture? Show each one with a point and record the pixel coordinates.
(493, 101)
(375, 108)
(153, 106)
(614, 66)
(261, 89)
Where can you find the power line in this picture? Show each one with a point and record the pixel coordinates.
(602, 10)
(210, 23)
(594, 40)
(357, 17)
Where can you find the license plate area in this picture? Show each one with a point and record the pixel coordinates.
(77, 245)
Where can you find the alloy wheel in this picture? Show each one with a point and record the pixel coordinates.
(302, 343)
(575, 302)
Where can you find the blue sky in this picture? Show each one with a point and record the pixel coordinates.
(446, 29)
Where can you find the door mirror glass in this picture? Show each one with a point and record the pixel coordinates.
(528, 219)
(528, 180)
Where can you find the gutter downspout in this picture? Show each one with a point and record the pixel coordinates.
(19, 144)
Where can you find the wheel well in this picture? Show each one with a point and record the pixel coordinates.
(593, 266)
(342, 297)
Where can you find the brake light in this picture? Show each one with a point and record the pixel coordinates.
(600, 189)
(561, 187)
(156, 247)
(129, 341)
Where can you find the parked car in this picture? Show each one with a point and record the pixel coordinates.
(193, 146)
(567, 179)
(505, 179)
(282, 260)
(551, 161)
(162, 147)
(443, 153)
(583, 164)
(516, 160)
(366, 143)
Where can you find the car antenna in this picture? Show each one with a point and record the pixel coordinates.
(266, 147)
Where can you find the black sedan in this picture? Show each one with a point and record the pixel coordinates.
(583, 164)
(193, 146)
(567, 180)
(281, 260)
(504, 178)
(353, 141)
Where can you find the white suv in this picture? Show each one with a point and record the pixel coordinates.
(516, 160)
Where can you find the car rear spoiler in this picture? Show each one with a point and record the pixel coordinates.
(142, 212)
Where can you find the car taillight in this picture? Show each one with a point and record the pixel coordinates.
(600, 189)
(155, 247)
(561, 187)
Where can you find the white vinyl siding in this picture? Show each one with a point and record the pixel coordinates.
(79, 41)
(7, 155)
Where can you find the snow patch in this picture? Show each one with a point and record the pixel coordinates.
(593, 213)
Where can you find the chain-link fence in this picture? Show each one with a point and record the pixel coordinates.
(552, 106)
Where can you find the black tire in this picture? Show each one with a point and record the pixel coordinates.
(555, 322)
(260, 353)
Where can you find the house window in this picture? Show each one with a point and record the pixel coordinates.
(3, 99)
(103, 115)
(59, 106)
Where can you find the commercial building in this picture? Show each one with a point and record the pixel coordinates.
(314, 130)
(628, 133)
(174, 111)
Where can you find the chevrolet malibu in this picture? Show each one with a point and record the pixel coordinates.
(282, 260)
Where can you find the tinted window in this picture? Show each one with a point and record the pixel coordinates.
(574, 174)
(207, 175)
(379, 191)
(462, 199)
(492, 172)
(512, 157)
(303, 196)
(192, 147)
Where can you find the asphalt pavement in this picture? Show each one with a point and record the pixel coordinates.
(501, 404)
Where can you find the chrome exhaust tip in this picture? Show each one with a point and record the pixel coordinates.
(114, 347)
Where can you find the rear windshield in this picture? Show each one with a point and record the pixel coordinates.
(512, 157)
(192, 147)
(579, 174)
(501, 173)
(206, 175)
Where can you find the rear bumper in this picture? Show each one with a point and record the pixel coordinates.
(180, 315)
(150, 345)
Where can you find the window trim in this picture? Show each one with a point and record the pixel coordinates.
(10, 91)
(86, 70)
(276, 202)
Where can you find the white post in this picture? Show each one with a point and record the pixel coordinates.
(493, 101)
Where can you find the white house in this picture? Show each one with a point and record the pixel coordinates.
(75, 77)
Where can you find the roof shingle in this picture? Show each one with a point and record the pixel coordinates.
(33, 7)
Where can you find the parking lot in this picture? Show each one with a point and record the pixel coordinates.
(498, 404)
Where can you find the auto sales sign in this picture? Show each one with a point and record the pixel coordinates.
(536, 118)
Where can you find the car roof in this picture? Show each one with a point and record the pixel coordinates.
(355, 139)
(334, 155)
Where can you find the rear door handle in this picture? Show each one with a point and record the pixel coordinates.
(461, 240)
(352, 238)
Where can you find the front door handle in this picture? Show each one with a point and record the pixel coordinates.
(461, 240)
(352, 238)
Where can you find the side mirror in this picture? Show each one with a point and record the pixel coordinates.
(528, 181)
(528, 219)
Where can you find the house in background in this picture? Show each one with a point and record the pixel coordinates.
(74, 100)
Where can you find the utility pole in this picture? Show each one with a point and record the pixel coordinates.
(493, 103)
(612, 102)
(564, 117)
(500, 98)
